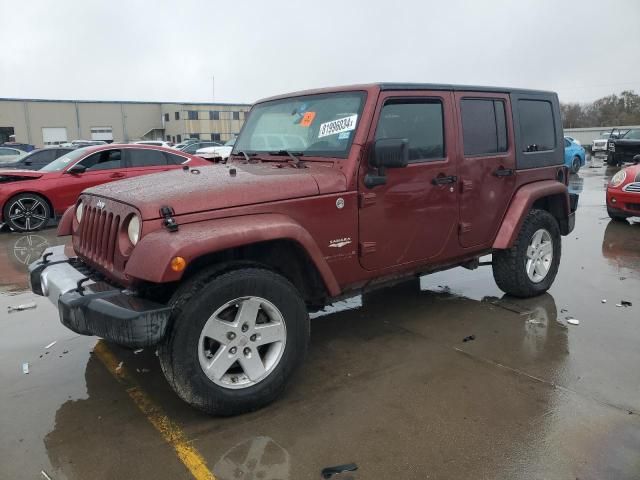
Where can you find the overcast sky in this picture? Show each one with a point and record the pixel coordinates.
(169, 50)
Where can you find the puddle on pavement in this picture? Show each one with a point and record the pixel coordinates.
(18, 250)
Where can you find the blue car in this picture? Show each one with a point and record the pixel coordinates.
(574, 156)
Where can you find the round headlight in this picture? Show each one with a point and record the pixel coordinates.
(79, 211)
(618, 178)
(134, 229)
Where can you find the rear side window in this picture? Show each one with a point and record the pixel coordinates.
(537, 129)
(484, 126)
(146, 158)
(419, 121)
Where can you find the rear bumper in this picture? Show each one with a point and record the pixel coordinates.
(95, 308)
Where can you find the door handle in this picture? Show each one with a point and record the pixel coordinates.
(503, 172)
(444, 179)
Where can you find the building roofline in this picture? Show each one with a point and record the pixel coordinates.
(121, 101)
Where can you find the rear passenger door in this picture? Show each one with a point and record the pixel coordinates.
(487, 169)
(414, 215)
(142, 161)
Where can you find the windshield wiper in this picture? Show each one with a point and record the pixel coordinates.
(245, 155)
(292, 155)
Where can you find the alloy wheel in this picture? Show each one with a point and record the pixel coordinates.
(539, 255)
(27, 213)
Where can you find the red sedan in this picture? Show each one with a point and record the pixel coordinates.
(623, 193)
(29, 199)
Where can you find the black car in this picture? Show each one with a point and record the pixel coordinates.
(624, 148)
(37, 159)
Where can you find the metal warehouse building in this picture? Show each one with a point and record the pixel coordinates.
(52, 122)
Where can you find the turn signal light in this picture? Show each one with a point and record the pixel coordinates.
(178, 264)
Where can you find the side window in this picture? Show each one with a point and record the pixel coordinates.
(192, 115)
(146, 158)
(175, 159)
(7, 151)
(537, 129)
(421, 122)
(567, 143)
(484, 126)
(44, 157)
(105, 160)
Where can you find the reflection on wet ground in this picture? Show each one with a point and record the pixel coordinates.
(388, 384)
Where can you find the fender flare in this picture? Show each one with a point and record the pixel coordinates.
(520, 205)
(65, 226)
(151, 258)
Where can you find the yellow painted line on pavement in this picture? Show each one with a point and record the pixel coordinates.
(172, 433)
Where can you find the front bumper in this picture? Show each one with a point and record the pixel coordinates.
(96, 308)
(623, 202)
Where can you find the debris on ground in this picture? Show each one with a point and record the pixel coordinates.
(19, 308)
(44, 474)
(135, 352)
(469, 338)
(25, 368)
(331, 471)
(50, 345)
(142, 370)
(563, 310)
(604, 300)
(119, 367)
(626, 303)
(573, 321)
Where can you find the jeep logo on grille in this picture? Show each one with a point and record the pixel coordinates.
(100, 204)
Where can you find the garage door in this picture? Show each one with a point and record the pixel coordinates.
(102, 133)
(54, 135)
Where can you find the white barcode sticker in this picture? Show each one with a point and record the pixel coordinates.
(345, 124)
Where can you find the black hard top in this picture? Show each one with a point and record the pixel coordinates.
(465, 88)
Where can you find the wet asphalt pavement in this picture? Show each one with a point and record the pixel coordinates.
(388, 384)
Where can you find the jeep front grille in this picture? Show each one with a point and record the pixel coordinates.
(98, 236)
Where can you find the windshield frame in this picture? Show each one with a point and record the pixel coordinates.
(324, 154)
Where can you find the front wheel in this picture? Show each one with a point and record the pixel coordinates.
(575, 164)
(27, 212)
(235, 341)
(530, 266)
(616, 216)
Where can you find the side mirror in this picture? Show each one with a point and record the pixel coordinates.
(390, 153)
(77, 169)
(386, 153)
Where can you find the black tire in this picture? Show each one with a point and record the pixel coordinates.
(194, 303)
(575, 164)
(509, 266)
(616, 216)
(35, 211)
(611, 160)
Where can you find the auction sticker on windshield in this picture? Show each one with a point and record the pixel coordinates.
(337, 126)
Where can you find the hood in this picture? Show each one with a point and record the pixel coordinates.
(12, 174)
(215, 188)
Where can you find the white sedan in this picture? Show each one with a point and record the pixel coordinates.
(8, 154)
(217, 153)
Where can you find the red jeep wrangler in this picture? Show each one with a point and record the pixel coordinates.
(327, 193)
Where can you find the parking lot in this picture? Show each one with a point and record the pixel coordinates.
(389, 383)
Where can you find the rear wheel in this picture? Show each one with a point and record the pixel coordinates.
(530, 266)
(575, 164)
(27, 212)
(235, 341)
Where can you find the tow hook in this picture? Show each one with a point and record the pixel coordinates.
(169, 222)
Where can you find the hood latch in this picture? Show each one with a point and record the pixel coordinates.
(169, 222)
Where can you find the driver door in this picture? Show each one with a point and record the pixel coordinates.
(414, 215)
(102, 167)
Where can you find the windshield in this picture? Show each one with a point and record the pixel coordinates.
(62, 162)
(632, 135)
(320, 125)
